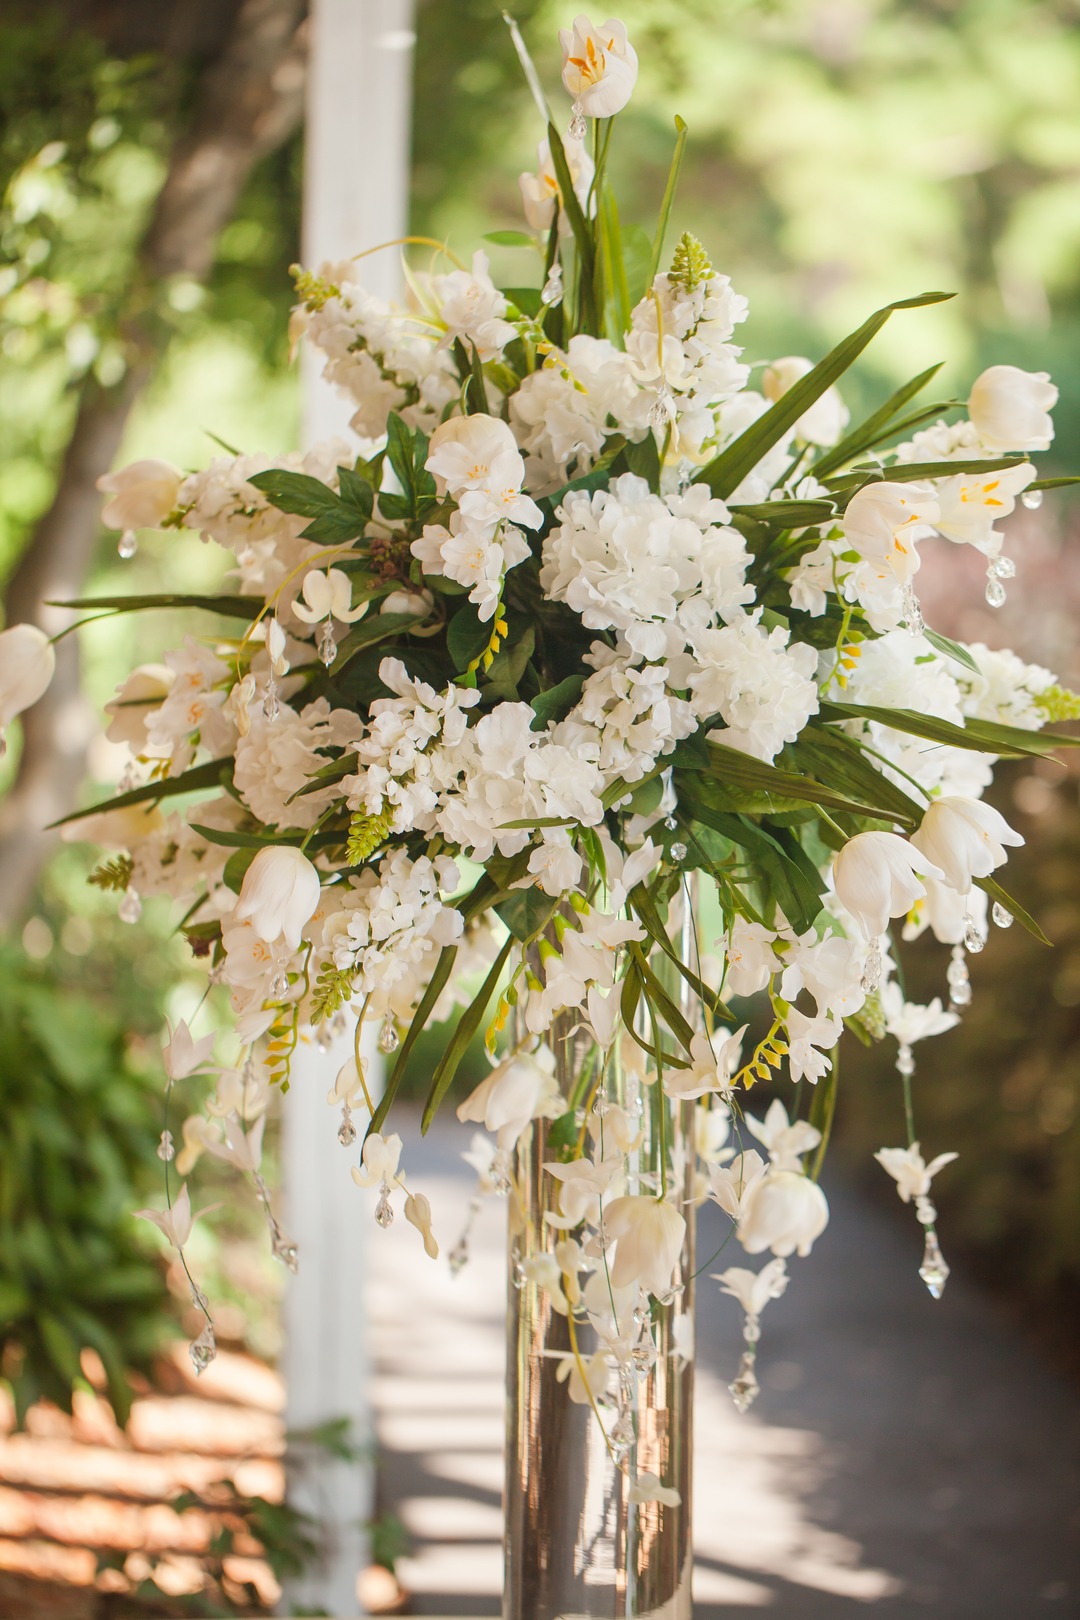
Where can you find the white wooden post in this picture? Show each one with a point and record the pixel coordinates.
(356, 176)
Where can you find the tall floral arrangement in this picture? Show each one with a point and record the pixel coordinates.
(593, 626)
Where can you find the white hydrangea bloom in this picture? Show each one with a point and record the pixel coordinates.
(761, 687)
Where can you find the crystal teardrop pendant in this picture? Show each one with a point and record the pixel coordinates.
(934, 1271)
(203, 1349)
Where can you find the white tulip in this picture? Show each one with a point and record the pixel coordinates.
(600, 66)
(908, 1170)
(521, 1089)
(648, 1235)
(965, 838)
(540, 194)
(874, 876)
(884, 521)
(1010, 408)
(825, 420)
(280, 893)
(785, 1213)
(144, 691)
(27, 665)
(143, 495)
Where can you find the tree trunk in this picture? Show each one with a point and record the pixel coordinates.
(249, 102)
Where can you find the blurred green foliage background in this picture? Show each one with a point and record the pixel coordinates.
(842, 153)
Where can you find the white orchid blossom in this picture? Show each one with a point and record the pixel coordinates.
(380, 1158)
(963, 839)
(176, 1222)
(784, 1140)
(754, 1289)
(785, 1212)
(648, 1235)
(908, 1170)
(327, 596)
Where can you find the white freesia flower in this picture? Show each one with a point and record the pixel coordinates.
(911, 1174)
(328, 596)
(907, 1022)
(824, 422)
(1010, 408)
(380, 1157)
(648, 1487)
(648, 1235)
(522, 1088)
(143, 495)
(176, 1222)
(600, 66)
(964, 839)
(182, 1054)
(875, 878)
(785, 1212)
(784, 1140)
(754, 1289)
(27, 665)
(418, 1214)
(883, 522)
(280, 894)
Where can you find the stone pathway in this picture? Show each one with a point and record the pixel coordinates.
(906, 1458)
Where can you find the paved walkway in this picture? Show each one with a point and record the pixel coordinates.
(905, 1459)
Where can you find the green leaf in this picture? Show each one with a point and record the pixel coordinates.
(467, 636)
(668, 199)
(406, 451)
(578, 224)
(911, 472)
(866, 434)
(637, 262)
(527, 912)
(230, 607)
(510, 239)
(467, 1026)
(652, 922)
(198, 779)
(643, 458)
(297, 493)
(789, 514)
(991, 887)
(436, 984)
(229, 838)
(984, 736)
(555, 704)
(1055, 483)
(951, 649)
(731, 466)
(822, 1110)
(235, 869)
(732, 765)
(526, 299)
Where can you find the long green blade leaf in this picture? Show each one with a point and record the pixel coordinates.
(436, 984)
(862, 437)
(468, 1024)
(198, 779)
(730, 467)
(669, 198)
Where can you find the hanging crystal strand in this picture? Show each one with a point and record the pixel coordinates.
(932, 1269)
(279, 984)
(913, 617)
(327, 644)
(384, 1209)
(346, 1131)
(271, 707)
(662, 409)
(744, 1387)
(873, 967)
(388, 1035)
(130, 907)
(281, 1247)
(997, 570)
(203, 1347)
(577, 128)
(974, 938)
(166, 1148)
(959, 980)
(129, 779)
(551, 294)
(127, 545)
(458, 1258)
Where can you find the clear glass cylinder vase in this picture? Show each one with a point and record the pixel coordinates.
(577, 1542)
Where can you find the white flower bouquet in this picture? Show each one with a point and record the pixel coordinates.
(596, 626)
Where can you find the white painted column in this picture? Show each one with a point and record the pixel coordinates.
(356, 179)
